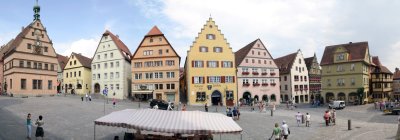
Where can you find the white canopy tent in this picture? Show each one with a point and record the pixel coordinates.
(182, 122)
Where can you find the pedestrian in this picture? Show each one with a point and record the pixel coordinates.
(90, 97)
(238, 113)
(29, 126)
(298, 118)
(273, 107)
(206, 107)
(308, 119)
(229, 112)
(380, 106)
(39, 128)
(285, 130)
(86, 97)
(155, 107)
(326, 117)
(334, 117)
(114, 102)
(82, 98)
(287, 104)
(169, 105)
(184, 107)
(234, 113)
(376, 105)
(276, 132)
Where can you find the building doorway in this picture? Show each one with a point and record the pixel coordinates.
(216, 97)
(256, 98)
(97, 88)
(342, 96)
(329, 97)
(265, 98)
(246, 98)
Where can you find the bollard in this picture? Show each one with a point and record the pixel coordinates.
(349, 124)
(272, 112)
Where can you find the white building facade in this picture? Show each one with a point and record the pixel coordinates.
(293, 78)
(111, 67)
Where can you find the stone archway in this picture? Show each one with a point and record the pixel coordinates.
(273, 98)
(216, 97)
(256, 98)
(286, 97)
(341, 96)
(246, 97)
(265, 98)
(353, 98)
(329, 96)
(97, 88)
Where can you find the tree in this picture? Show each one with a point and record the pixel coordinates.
(360, 93)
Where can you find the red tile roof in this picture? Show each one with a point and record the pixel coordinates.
(285, 63)
(62, 60)
(154, 31)
(309, 61)
(12, 44)
(396, 75)
(120, 45)
(357, 51)
(379, 68)
(85, 61)
(242, 53)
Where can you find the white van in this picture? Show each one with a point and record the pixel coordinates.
(337, 105)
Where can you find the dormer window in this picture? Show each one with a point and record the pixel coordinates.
(210, 36)
(340, 56)
(151, 40)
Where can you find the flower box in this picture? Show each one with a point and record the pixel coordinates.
(273, 73)
(245, 73)
(256, 84)
(273, 84)
(255, 73)
(264, 73)
(246, 85)
(264, 84)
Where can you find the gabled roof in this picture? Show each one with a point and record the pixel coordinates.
(357, 52)
(62, 60)
(12, 44)
(309, 61)
(396, 74)
(154, 31)
(85, 61)
(379, 68)
(285, 63)
(120, 45)
(242, 53)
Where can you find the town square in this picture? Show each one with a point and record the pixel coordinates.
(199, 70)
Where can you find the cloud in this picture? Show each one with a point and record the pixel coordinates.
(86, 47)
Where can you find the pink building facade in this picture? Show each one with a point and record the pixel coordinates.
(257, 73)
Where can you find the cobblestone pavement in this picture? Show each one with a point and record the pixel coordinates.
(68, 118)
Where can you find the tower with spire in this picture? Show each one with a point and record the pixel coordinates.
(36, 10)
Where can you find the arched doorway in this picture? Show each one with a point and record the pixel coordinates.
(216, 97)
(97, 88)
(273, 98)
(256, 98)
(246, 97)
(329, 97)
(341, 96)
(286, 97)
(353, 98)
(265, 98)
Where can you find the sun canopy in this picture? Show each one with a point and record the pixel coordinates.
(183, 122)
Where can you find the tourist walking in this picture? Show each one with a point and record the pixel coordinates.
(234, 112)
(28, 126)
(229, 112)
(114, 103)
(285, 130)
(276, 132)
(308, 119)
(326, 117)
(39, 128)
(206, 107)
(169, 106)
(298, 118)
(238, 113)
(86, 97)
(334, 117)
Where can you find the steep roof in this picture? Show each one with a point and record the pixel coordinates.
(357, 52)
(396, 74)
(285, 63)
(120, 45)
(62, 60)
(378, 65)
(154, 31)
(242, 53)
(13, 43)
(309, 61)
(85, 61)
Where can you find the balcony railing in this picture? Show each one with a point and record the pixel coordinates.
(245, 73)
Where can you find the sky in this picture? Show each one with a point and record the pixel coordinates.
(284, 26)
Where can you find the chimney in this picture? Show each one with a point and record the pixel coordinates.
(397, 69)
(350, 42)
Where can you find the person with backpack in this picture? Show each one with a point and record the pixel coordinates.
(276, 132)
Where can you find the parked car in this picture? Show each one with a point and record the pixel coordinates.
(394, 110)
(161, 104)
(337, 105)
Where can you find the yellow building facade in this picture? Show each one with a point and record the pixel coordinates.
(210, 71)
(77, 74)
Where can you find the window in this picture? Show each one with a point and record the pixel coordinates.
(210, 36)
(49, 84)
(299, 61)
(39, 65)
(197, 64)
(158, 63)
(138, 76)
(353, 81)
(98, 76)
(212, 64)
(29, 46)
(151, 40)
(229, 79)
(10, 83)
(245, 81)
(112, 86)
(214, 79)
(218, 49)
(340, 68)
(340, 56)
(117, 75)
(160, 51)
(245, 69)
(105, 65)
(111, 55)
(98, 57)
(265, 53)
(286, 87)
(67, 75)
(23, 83)
(259, 61)
(111, 64)
(37, 84)
(79, 73)
(138, 64)
(74, 62)
(111, 75)
(252, 61)
(200, 96)
(28, 64)
(52, 67)
(75, 74)
(147, 52)
(170, 62)
(198, 80)
(340, 82)
(203, 49)
(149, 75)
(105, 56)
(296, 78)
(254, 70)
(94, 76)
(117, 64)
(252, 52)
(265, 61)
(46, 49)
(46, 66)
(227, 64)
(247, 61)
(285, 78)
(70, 63)
(352, 67)
(21, 63)
(170, 74)
(255, 81)
(264, 70)
(117, 86)
(105, 75)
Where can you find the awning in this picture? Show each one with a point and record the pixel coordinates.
(183, 122)
(142, 91)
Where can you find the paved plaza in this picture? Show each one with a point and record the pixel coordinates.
(68, 118)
